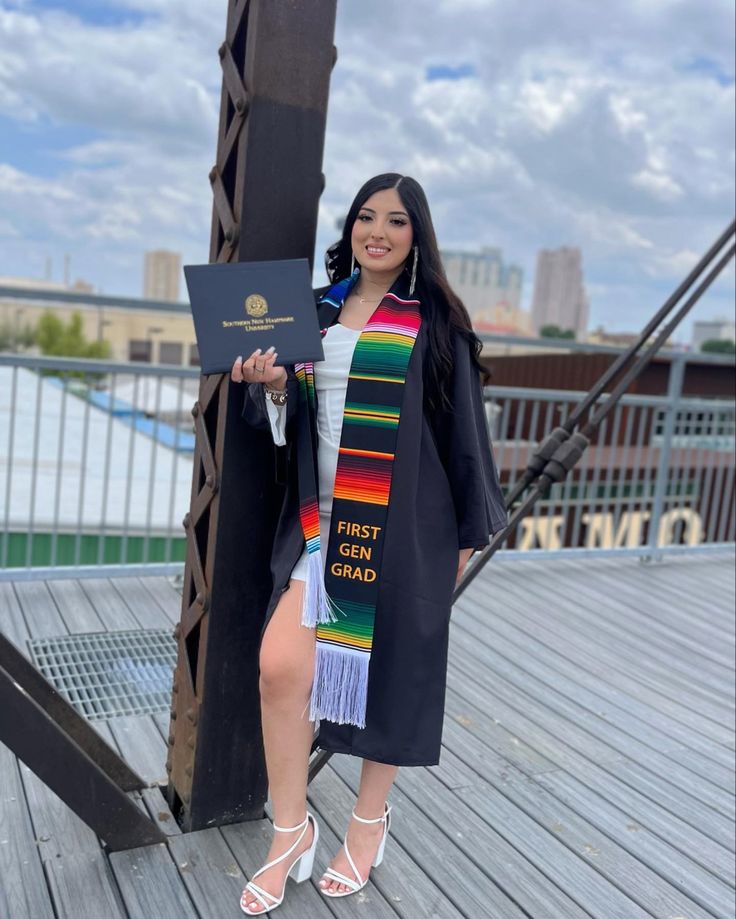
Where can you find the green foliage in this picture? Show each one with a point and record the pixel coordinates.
(55, 337)
(719, 346)
(554, 331)
(66, 339)
(16, 339)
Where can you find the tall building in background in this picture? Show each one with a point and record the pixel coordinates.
(161, 273)
(721, 329)
(489, 288)
(559, 293)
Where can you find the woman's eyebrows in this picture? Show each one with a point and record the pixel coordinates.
(403, 213)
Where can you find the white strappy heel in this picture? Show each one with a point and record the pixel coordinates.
(301, 870)
(352, 883)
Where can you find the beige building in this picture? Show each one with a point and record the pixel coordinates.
(559, 294)
(161, 275)
(489, 288)
(138, 330)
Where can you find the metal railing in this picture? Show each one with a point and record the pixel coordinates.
(96, 464)
(661, 472)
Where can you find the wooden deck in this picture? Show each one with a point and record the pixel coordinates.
(587, 770)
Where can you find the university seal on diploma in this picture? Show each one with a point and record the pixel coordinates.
(256, 305)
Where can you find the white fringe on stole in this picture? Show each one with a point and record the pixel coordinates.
(340, 688)
(317, 607)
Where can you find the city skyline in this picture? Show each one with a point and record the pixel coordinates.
(489, 286)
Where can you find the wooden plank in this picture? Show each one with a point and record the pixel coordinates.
(599, 617)
(546, 645)
(209, 871)
(83, 884)
(23, 891)
(614, 720)
(150, 884)
(588, 734)
(696, 876)
(57, 828)
(634, 614)
(74, 606)
(694, 833)
(604, 846)
(659, 674)
(148, 614)
(692, 762)
(108, 604)
(142, 746)
(39, 609)
(158, 808)
(506, 742)
(165, 594)
(679, 580)
(563, 754)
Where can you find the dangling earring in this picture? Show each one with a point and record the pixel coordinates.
(352, 264)
(414, 270)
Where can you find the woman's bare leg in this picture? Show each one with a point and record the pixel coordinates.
(287, 671)
(376, 780)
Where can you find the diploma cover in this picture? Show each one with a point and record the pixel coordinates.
(240, 306)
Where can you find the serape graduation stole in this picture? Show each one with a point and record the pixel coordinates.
(340, 600)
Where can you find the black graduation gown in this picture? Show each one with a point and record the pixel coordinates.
(444, 496)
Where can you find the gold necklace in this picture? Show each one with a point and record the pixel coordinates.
(369, 299)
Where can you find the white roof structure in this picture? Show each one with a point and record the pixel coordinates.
(63, 459)
(155, 397)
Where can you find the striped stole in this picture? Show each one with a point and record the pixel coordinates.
(340, 599)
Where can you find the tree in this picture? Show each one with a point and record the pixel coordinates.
(719, 346)
(554, 331)
(66, 339)
(55, 337)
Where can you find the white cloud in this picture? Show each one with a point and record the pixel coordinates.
(658, 184)
(613, 135)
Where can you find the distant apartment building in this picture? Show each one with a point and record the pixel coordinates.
(161, 274)
(708, 329)
(559, 292)
(489, 288)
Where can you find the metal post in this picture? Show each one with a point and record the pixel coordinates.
(674, 393)
(276, 63)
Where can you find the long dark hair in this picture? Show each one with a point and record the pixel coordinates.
(442, 309)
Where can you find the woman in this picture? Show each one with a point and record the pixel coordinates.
(391, 486)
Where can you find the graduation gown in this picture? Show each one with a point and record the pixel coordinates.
(445, 496)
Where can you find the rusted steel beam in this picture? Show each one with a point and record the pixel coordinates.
(266, 181)
(68, 755)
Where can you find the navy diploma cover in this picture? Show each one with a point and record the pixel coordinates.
(240, 306)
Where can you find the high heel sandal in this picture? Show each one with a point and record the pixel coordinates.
(303, 865)
(352, 883)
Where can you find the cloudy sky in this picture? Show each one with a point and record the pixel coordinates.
(530, 123)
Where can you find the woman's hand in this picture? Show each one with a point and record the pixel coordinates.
(259, 368)
(463, 561)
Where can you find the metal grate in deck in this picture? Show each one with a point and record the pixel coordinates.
(109, 674)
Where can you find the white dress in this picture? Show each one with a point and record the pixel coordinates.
(331, 382)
